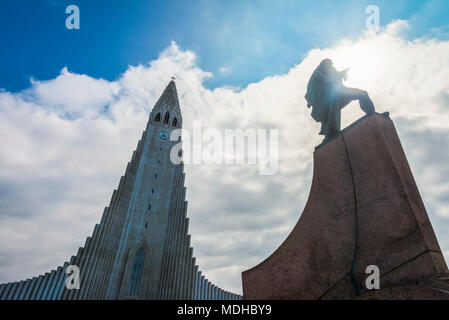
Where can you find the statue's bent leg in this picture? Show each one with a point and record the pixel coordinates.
(343, 96)
(346, 95)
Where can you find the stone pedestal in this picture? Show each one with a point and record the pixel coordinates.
(364, 208)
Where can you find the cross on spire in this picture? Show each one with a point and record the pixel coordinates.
(173, 78)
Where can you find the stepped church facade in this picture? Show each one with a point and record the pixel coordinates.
(141, 248)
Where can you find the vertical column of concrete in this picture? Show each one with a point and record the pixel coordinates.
(166, 253)
(166, 281)
(177, 253)
(42, 286)
(198, 286)
(2, 288)
(202, 288)
(48, 285)
(98, 261)
(30, 289)
(116, 213)
(66, 293)
(89, 263)
(18, 290)
(25, 289)
(99, 269)
(201, 297)
(59, 277)
(171, 275)
(207, 290)
(210, 290)
(80, 264)
(178, 257)
(64, 278)
(190, 274)
(195, 283)
(36, 288)
(107, 242)
(199, 289)
(6, 291)
(54, 283)
(12, 290)
(178, 239)
(113, 283)
(184, 259)
(114, 220)
(184, 248)
(58, 283)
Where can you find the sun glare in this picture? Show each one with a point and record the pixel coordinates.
(364, 60)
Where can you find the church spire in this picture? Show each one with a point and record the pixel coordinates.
(167, 108)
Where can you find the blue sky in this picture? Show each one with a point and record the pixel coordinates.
(251, 39)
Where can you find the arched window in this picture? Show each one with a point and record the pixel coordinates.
(158, 117)
(175, 122)
(136, 272)
(167, 117)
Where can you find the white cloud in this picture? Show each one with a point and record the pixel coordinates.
(66, 142)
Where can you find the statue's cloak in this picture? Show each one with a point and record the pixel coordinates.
(319, 95)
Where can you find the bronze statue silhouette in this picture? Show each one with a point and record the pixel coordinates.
(327, 95)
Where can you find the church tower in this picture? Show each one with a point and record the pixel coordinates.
(156, 199)
(141, 248)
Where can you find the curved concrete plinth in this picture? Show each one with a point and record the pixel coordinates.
(363, 209)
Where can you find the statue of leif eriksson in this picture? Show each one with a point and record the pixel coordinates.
(327, 95)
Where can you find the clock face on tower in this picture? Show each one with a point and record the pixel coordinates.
(163, 136)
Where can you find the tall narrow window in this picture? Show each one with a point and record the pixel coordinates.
(175, 122)
(158, 117)
(136, 272)
(167, 118)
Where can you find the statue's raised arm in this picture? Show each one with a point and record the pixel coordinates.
(327, 95)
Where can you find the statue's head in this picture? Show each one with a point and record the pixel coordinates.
(326, 65)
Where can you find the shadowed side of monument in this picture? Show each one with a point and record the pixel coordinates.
(364, 208)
